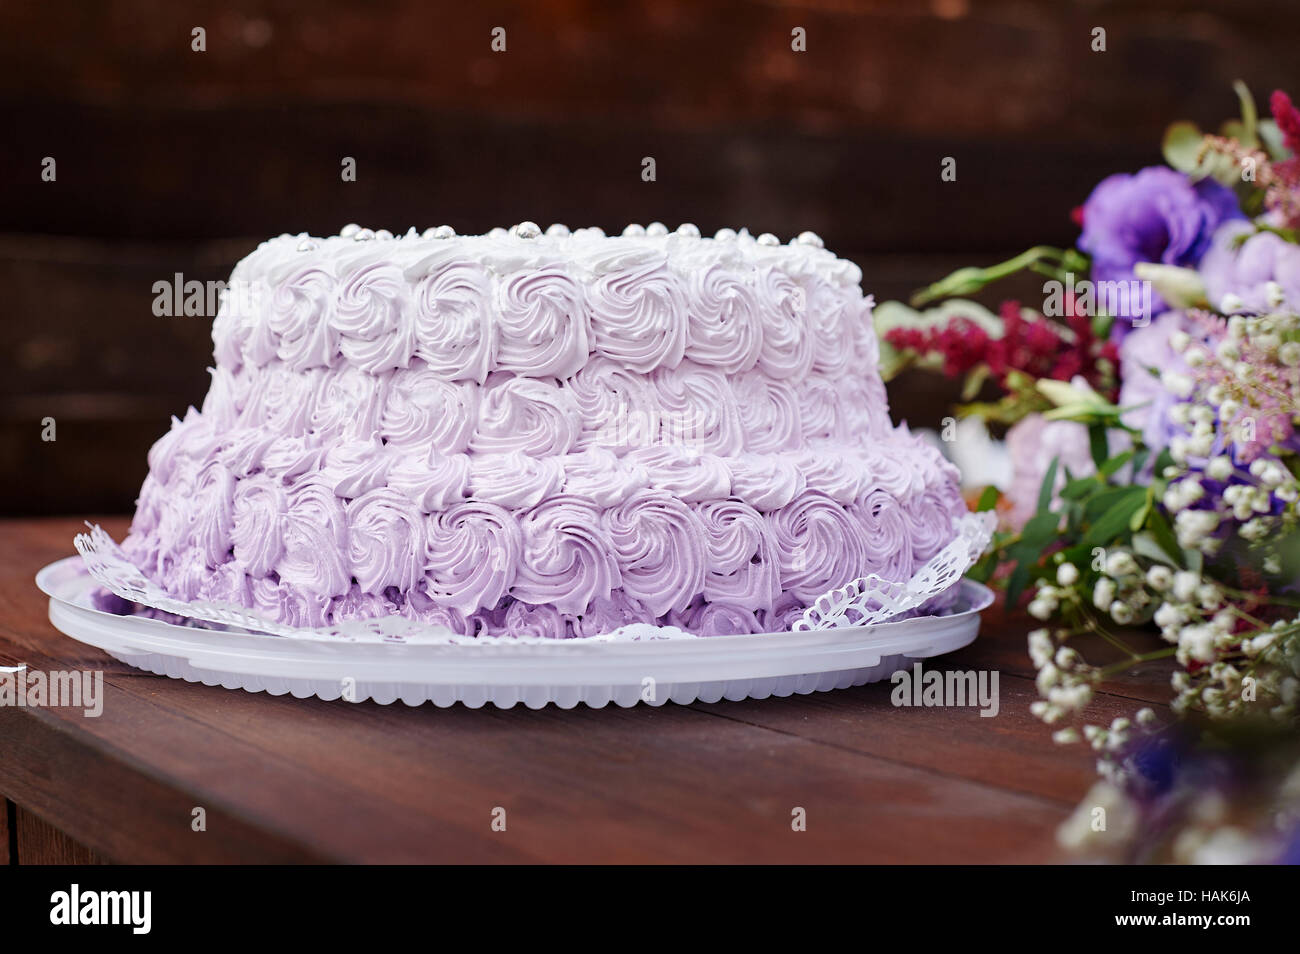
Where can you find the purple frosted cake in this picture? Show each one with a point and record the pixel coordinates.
(547, 433)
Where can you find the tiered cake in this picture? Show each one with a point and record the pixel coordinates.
(552, 434)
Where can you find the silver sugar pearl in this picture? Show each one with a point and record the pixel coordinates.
(383, 234)
(498, 233)
(527, 230)
(724, 235)
(634, 231)
(307, 245)
(688, 230)
(657, 229)
(595, 231)
(365, 235)
(767, 238)
(810, 238)
(350, 230)
(442, 232)
(557, 230)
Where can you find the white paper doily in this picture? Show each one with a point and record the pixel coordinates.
(507, 672)
(864, 601)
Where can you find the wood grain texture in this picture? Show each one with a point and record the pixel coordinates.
(40, 843)
(6, 807)
(171, 160)
(286, 779)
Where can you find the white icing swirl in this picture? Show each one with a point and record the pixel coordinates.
(315, 540)
(422, 410)
(638, 317)
(473, 551)
(258, 528)
(766, 482)
(526, 414)
(685, 472)
(698, 409)
(432, 481)
(603, 478)
(743, 566)
(724, 331)
(371, 318)
(386, 540)
(543, 324)
(769, 413)
(514, 480)
(787, 350)
(454, 331)
(567, 557)
(347, 402)
(660, 544)
(619, 409)
(298, 317)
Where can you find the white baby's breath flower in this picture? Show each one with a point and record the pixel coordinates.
(1159, 577)
(1120, 563)
(1040, 648)
(1103, 594)
(1256, 529)
(1185, 584)
(1231, 304)
(1121, 612)
(1067, 574)
(1220, 468)
(1169, 617)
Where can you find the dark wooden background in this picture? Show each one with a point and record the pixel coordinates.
(171, 161)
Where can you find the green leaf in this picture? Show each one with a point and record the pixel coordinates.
(1272, 139)
(1107, 498)
(1112, 466)
(1140, 459)
(1245, 134)
(1097, 444)
(988, 499)
(1140, 515)
(975, 379)
(1163, 534)
(1079, 488)
(1016, 584)
(1114, 521)
(1047, 490)
(1182, 145)
(984, 567)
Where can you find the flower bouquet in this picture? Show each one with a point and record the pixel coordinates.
(1152, 403)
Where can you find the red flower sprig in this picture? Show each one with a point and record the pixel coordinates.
(1035, 346)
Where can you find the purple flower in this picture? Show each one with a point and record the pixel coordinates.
(1144, 355)
(1158, 215)
(1244, 268)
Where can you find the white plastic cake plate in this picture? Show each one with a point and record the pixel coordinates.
(563, 672)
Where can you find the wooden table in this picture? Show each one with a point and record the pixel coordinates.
(286, 780)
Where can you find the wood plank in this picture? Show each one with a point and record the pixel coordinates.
(994, 68)
(6, 809)
(40, 843)
(373, 783)
(275, 169)
(1012, 750)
